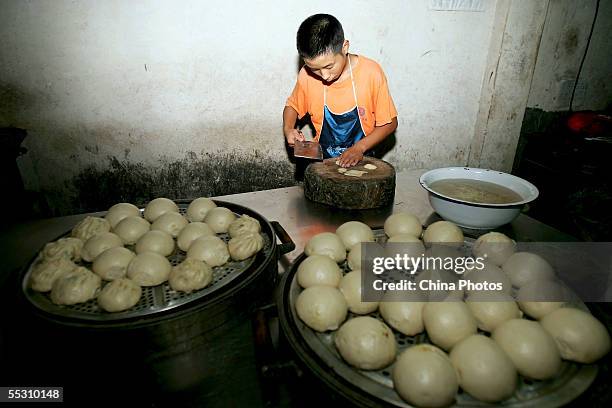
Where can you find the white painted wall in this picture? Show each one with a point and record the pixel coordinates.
(563, 45)
(506, 85)
(217, 76)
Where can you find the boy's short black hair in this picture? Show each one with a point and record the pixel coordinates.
(319, 34)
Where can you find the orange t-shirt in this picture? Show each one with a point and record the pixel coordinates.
(376, 107)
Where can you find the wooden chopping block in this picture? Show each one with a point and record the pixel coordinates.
(376, 188)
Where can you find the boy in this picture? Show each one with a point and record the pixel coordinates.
(345, 94)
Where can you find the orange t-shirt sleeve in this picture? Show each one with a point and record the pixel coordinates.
(297, 100)
(384, 108)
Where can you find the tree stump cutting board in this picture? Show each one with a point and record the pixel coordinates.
(376, 188)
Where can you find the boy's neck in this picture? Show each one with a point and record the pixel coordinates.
(346, 71)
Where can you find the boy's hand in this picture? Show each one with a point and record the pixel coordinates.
(293, 135)
(351, 156)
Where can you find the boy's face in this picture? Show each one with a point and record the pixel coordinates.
(328, 66)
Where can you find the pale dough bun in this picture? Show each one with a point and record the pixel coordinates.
(579, 336)
(491, 274)
(159, 206)
(483, 369)
(318, 270)
(354, 257)
(243, 224)
(245, 246)
(538, 310)
(90, 226)
(46, 271)
(447, 323)
(532, 350)
(350, 286)
(404, 244)
(492, 309)
(326, 243)
(155, 241)
(219, 219)
(443, 232)
(210, 249)
(428, 279)
(190, 275)
(130, 229)
(113, 263)
(119, 295)
(353, 232)
(523, 267)
(69, 248)
(405, 317)
(191, 232)
(403, 223)
(494, 247)
(97, 244)
(366, 343)
(198, 208)
(322, 308)
(149, 269)
(119, 211)
(77, 286)
(171, 223)
(424, 376)
(540, 297)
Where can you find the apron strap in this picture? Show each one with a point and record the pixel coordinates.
(352, 83)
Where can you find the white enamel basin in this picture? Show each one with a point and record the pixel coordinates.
(477, 215)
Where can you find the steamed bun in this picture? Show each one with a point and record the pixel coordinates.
(191, 232)
(46, 271)
(131, 228)
(90, 226)
(353, 232)
(159, 206)
(113, 263)
(97, 244)
(119, 295)
(243, 224)
(210, 249)
(402, 223)
(366, 343)
(155, 241)
(219, 219)
(424, 376)
(69, 248)
(326, 243)
(443, 232)
(198, 208)
(77, 286)
(149, 269)
(119, 211)
(350, 286)
(245, 246)
(190, 275)
(318, 270)
(495, 247)
(523, 267)
(171, 223)
(322, 308)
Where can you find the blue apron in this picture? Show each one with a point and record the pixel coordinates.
(340, 130)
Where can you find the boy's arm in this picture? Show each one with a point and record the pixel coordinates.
(292, 134)
(354, 154)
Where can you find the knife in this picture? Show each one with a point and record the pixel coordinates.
(308, 150)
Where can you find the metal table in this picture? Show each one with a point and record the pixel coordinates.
(301, 219)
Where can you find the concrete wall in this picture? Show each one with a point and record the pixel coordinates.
(132, 100)
(505, 90)
(563, 45)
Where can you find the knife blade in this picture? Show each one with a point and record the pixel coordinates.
(307, 149)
